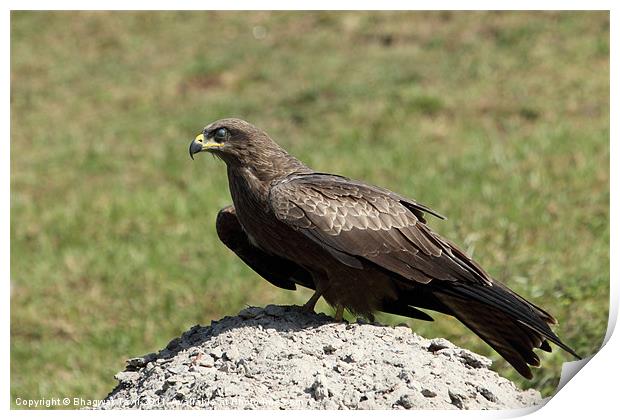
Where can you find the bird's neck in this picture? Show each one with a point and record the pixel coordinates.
(250, 176)
(253, 182)
(268, 168)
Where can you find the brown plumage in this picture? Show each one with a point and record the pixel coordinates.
(360, 247)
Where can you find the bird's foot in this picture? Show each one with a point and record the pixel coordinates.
(309, 306)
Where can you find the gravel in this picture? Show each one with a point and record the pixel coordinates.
(280, 357)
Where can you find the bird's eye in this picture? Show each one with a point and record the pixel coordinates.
(220, 134)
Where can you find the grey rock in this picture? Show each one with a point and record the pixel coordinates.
(283, 358)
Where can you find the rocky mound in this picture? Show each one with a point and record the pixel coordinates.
(282, 358)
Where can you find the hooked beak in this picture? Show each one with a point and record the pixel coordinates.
(196, 145)
(200, 144)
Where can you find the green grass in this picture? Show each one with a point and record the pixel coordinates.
(498, 120)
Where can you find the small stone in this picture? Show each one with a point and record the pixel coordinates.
(368, 402)
(127, 377)
(351, 398)
(318, 389)
(244, 368)
(438, 344)
(406, 401)
(406, 375)
(201, 370)
(473, 360)
(182, 392)
(486, 394)
(456, 399)
(232, 354)
(353, 356)
(217, 353)
(139, 362)
(227, 367)
(329, 349)
(177, 369)
(341, 368)
(428, 393)
(206, 360)
(329, 405)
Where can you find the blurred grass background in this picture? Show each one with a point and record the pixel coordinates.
(498, 120)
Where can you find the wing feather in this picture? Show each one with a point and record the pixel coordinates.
(354, 221)
(359, 223)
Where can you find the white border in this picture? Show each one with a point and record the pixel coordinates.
(593, 393)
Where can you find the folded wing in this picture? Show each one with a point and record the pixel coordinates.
(359, 223)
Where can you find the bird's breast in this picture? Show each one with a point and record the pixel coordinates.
(250, 197)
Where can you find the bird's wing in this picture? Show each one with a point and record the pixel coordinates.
(278, 271)
(416, 208)
(356, 221)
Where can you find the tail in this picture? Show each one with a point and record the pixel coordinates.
(508, 323)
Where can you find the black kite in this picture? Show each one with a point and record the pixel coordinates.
(361, 247)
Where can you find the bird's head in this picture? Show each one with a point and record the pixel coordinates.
(233, 140)
(241, 145)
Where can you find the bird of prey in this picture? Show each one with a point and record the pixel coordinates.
(361, 247)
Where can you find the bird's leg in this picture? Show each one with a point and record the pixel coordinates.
(309, 306)
(339, 312)
(321, 285)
